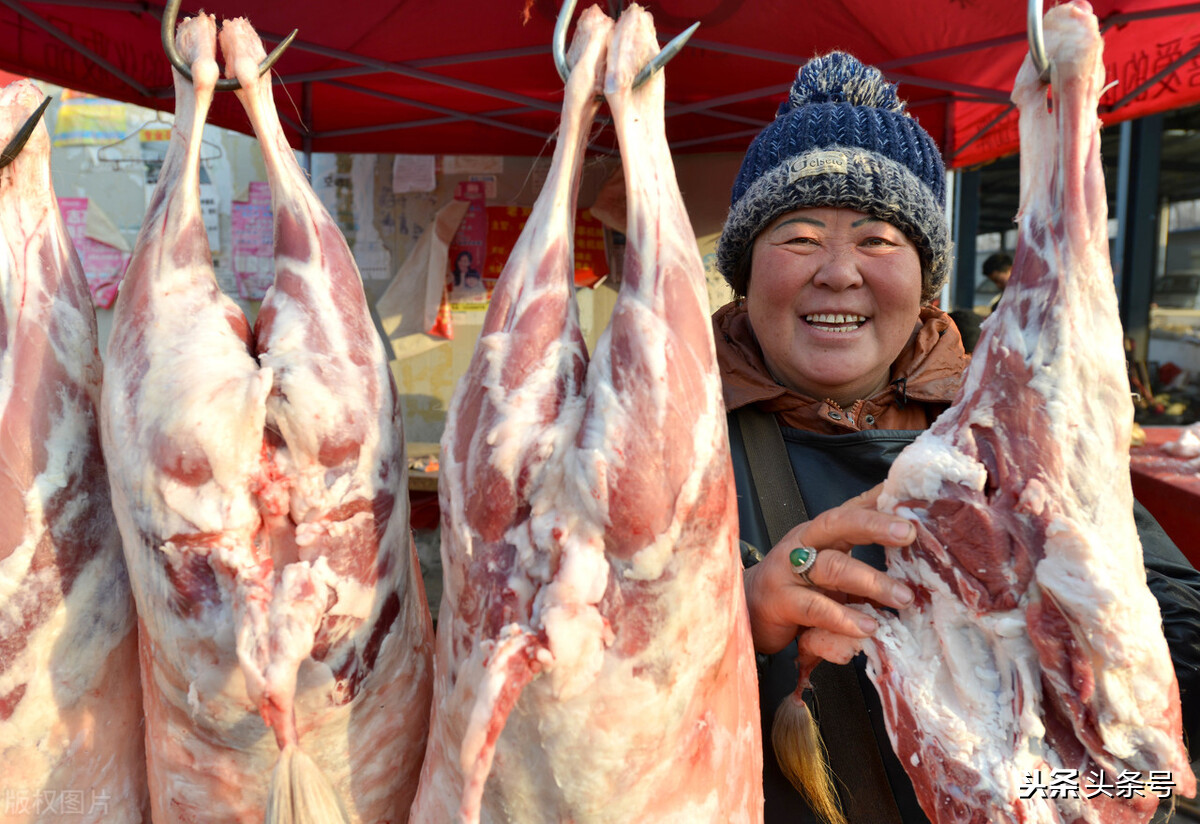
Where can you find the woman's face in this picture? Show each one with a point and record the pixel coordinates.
(834, 296)
(463, 263)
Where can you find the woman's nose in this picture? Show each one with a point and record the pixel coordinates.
(838, 271)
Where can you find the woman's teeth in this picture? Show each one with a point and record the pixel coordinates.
(836, 323)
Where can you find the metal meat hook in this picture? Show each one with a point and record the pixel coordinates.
(661, 59)
(225, 84)
(14, 147)
(1037, 43)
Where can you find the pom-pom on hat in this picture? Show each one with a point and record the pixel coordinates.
(842, 138)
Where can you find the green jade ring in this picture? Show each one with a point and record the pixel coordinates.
(802, 559)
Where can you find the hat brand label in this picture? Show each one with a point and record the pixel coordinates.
(817, 163)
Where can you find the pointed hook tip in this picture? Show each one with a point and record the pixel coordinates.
(664, 56)
(18, 141)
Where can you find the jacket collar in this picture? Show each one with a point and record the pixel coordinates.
(928, 372)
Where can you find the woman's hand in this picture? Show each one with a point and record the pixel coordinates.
(783, 606)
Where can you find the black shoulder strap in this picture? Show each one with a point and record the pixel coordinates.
(846, 729)
(778, 493)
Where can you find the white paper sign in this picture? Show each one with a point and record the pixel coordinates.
(373, 259)
(209, 207)
(414, 173)
(472, 164)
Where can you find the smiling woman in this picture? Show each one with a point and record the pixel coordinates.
(833, 359)
(836, 297)
(835, 243)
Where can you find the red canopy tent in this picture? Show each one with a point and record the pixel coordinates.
(476, 76)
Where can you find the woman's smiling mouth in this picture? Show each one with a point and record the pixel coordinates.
(828, 322)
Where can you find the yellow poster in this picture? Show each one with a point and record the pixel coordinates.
(85, 120)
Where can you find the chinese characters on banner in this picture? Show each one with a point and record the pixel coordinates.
(467, 249)
(504, 227)
(1130, 62)
(103, 265)
(252, 239)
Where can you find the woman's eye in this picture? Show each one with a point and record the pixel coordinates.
(878, 241)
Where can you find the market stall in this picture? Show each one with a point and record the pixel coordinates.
(416, 79)
(533, 386)
(1169, 486)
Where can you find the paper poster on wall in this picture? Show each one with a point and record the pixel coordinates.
(504, 227)
(74, 215)
(472, 164)
(373, 259)
(86, 120)
(468, 250)
(210, 209)
(489, 184)
(252, 238)
(153, 144)
(591, 263)
(103, 263)
(414, 173)
(415, 309)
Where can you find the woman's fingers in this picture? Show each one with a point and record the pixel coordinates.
(821, 643)
(854, 523)
(836, 571)
(814, 608)
(780, 603)
(783, 603)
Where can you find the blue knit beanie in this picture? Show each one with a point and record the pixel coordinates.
(842, 138)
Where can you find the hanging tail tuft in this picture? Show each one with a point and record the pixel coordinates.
(802, 757)
(301, 794)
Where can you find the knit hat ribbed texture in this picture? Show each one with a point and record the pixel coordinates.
(842, 138)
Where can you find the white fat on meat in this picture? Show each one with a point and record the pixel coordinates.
(594, 657)
(1033, 644)
(260, 485)
(70, 701)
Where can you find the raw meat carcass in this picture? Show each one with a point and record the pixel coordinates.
(335, 435)
(260, 485)
(594, 661)
(70, 704)
(1034, 645)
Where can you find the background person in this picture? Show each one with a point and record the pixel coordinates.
(998, 269)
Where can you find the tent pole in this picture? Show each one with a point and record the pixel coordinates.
(965, 228)
(1137, 224)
